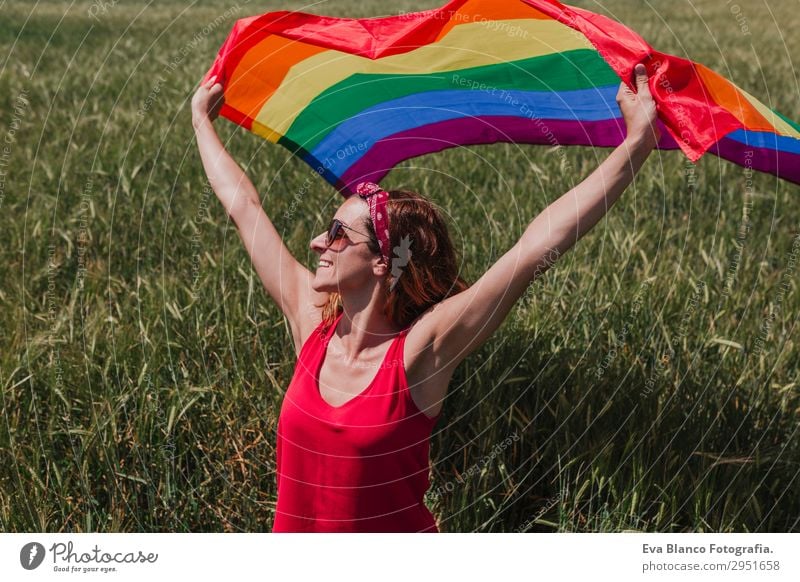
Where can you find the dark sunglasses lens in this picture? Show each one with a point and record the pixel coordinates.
(333, 231)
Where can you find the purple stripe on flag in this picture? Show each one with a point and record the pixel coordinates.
(435, 137)
(781, 163)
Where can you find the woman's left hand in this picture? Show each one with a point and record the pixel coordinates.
(207, 101)
(639, 109)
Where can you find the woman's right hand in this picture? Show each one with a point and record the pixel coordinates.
(639, 109)
(207, 101)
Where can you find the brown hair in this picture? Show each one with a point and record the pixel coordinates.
(431, 273)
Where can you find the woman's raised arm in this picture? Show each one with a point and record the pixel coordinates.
(461, 323)
(286, 280)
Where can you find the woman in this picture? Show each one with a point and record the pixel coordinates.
(383, 322)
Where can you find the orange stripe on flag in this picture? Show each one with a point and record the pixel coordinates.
(488, 10)
(262, 70)
(728, 96)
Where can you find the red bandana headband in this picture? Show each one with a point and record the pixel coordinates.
(376, 197)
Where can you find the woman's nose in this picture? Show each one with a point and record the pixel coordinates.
(318, 243)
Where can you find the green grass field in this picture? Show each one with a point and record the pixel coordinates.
(648, 382)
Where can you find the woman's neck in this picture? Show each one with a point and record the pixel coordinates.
(363, 324)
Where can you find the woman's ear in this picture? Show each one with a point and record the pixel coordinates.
(379, 267)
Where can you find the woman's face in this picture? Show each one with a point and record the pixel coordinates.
(348, 264)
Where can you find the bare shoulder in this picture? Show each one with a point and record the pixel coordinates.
(422, 340)
(427, 375)
(305, 322)
(419, 340)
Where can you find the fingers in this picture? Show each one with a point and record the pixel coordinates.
(621, 92)
(640, 73)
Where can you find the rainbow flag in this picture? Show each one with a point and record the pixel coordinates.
(355, 97)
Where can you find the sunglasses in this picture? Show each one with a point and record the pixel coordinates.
(336, 231)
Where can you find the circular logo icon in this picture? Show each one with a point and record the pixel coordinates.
(31, 556)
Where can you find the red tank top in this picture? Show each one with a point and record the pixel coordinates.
(359, 467)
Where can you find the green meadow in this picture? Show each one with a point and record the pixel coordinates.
(648, 382)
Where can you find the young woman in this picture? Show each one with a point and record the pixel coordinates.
(384, 320)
